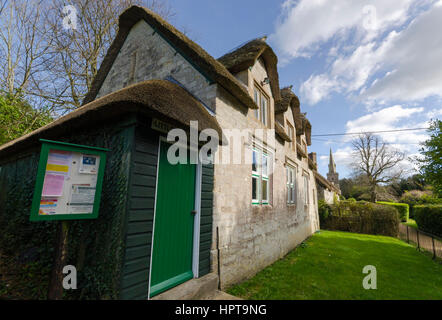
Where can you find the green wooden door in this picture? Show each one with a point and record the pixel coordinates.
(173, 231)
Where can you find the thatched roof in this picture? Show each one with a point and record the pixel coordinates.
(154, 98)
(288, 99)
(302, 124)
(306, 129)
(203, 61)
(247, 55)
(279, 130)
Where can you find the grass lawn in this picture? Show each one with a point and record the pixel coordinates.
(329, 266)
(411, 223)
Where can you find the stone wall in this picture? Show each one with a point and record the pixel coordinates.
(145, 55)
(252, 237)
(326, 195)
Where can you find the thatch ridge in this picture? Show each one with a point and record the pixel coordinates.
(247, 55)
(199, 57)
(155, 98)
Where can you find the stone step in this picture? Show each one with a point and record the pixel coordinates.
(221, 295)
(195, 289)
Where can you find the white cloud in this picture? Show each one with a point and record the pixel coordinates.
(392, 118)
(434, 114)
(307, 23)
(413, 57)
(395, 62)
(316, 88)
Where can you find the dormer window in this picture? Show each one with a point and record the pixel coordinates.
(262, 101)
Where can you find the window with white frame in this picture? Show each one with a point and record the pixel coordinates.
(306, 189)
(261, 168)
(291, 182)
(262, 101)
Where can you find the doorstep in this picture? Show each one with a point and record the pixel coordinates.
(194, 289)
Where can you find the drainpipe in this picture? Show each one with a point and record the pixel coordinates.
(218, 257)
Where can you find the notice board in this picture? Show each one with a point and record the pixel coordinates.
(69, 182)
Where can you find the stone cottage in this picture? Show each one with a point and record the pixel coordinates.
(248, 213)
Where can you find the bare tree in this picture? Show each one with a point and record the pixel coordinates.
(23, 51)
(2, 5)
(376, 161)
(23, 45)
(77, 53)
(53, 67)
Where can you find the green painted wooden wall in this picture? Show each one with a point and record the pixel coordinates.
(111, 253)
(95, 247)
(144, 158)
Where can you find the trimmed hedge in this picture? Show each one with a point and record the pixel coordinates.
(402, 208)
(360, 217)
(416, 197)
(429, 218)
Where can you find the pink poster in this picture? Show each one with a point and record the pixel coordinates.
(53, 185)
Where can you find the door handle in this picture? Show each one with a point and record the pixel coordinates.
(193, 212)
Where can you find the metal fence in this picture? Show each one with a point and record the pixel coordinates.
(421, 239)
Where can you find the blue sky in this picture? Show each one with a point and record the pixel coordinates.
(356, 65)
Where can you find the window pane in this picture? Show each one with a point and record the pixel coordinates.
(288, 193)
(254, 161)
(264, 165)
(264, 110)
(254, 188)
(256, 99)
(293, 194)
(264, 190)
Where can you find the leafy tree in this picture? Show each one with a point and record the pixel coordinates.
(18, 118)
(414, 182)
(431, 163)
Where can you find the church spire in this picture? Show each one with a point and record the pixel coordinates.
(332, 175)
(331, 164)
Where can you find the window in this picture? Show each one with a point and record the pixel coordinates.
(256, 99)
(265, 179)
(262, 101)
(261, 168)
(291, 134)
(291, 178)
(306, 188)
(255, 177)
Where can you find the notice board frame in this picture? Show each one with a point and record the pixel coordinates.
(48, 145)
